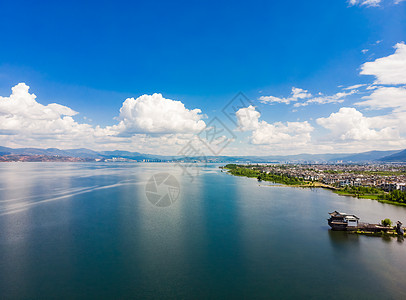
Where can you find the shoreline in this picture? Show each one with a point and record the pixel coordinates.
(388, 234)
(328, 187)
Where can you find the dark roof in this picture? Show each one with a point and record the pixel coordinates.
(340, 214)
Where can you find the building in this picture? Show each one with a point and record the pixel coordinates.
(342, 221)
(401, 187)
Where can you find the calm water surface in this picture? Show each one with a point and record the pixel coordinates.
(87, 230)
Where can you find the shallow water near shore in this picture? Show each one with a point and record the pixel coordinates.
(88, 230)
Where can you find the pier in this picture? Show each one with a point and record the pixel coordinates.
(347, 222)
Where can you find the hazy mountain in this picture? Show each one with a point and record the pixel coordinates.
(5, 150)
(370, 156)
(83, 153)
(305, 157)
(366, 156)
(32, 151)
(133, 155)
(397, 157)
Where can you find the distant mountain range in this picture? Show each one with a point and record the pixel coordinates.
(370, 156)
(395, 157)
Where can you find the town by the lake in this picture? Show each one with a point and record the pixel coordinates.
(384, 182)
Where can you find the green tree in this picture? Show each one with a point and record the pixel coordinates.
(386, 222)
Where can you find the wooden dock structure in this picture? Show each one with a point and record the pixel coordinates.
(348, 222)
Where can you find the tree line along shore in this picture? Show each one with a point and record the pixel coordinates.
(289, 175)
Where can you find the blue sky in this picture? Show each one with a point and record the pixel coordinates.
(89, 57)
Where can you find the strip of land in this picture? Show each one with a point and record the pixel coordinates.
(385, 183)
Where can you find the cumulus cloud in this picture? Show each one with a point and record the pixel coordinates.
(248, 118)
(21, 113)
(386, 97)
(296, 94)
(350, 129)
(156, 114)
(293, 134)
(24, 122)
(350, 124)
(390, 69)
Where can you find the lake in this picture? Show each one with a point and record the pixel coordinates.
(100, 230)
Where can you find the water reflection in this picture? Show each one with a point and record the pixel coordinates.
(387, 239)
(342, 238)
(24, 186)
(88, 230)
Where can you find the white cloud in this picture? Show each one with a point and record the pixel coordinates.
(156, 114)
(24, 122)
(354, 87)
(301, 94)
(350, 129)
(365, 2)
(390, 69)
(370, 3)
(386, 97)
(296, 94)
(371, 87)
(350, 124)
(248, 118)
(21, 113)
(294, 134)
(336, 98)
